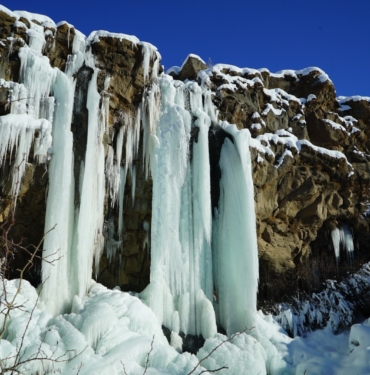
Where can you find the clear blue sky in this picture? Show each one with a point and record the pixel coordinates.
(286, 34)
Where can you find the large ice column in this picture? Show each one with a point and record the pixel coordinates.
(235, 239)
(184, 258)
(201, 264)
(181, 265)
(57, 266)
(169, 164)
(88, 237)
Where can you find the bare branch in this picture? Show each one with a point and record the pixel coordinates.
(214, 349)
(124, 370)
(217, 369)
(147, 358)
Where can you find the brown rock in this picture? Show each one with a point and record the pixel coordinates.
(191, 67)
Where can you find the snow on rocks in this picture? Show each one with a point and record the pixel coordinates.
(333, 307)
(297, 74)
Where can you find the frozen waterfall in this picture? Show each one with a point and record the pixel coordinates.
(204, 264)
(191, 266)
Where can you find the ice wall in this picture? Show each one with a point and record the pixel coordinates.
(188, 269)
(204, 268)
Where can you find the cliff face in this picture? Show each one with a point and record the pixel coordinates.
(310, 169)
(310, 154)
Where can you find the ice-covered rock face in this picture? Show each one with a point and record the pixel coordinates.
(309, 150)
(190, 253)
(150, 185)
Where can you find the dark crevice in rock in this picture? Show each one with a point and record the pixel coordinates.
(216, 138)
(79, 125)
(190, 343)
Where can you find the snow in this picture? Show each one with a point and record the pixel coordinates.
(281, 160)
(311, 97)
(147, 48)
(191, 55)
(322, 77)
(228, 86)
(269, 107)
(109, 329)
(61, 23)
(8, 11)
(43, 20)
(264, 142)
(331, 153)
(219, 70)
(260, 159)
(336, 126)
(256, 126)
(20, 24)
(95, 36)
(173, 69)
(280, 96)
(343, 108)
(355, 98)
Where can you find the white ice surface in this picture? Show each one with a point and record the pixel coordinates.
(109, 329)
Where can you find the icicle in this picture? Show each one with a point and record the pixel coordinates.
(112, 244)
(195, 96)
(120, 201)
(77, 58)
(133, 183)
(335, 236)
(343, 237)
(18, 96)
(36, 38)
(37, 76)
(17, 132)
(105, 104)
(146, 242)
(19, 128)
(68, 36)
(150, 113)
(348, 242)
(148, 51)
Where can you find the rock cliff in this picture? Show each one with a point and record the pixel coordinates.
(310, 154)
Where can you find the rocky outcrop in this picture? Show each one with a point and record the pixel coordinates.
(310, 153)
(121, 79)
(310, 164)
